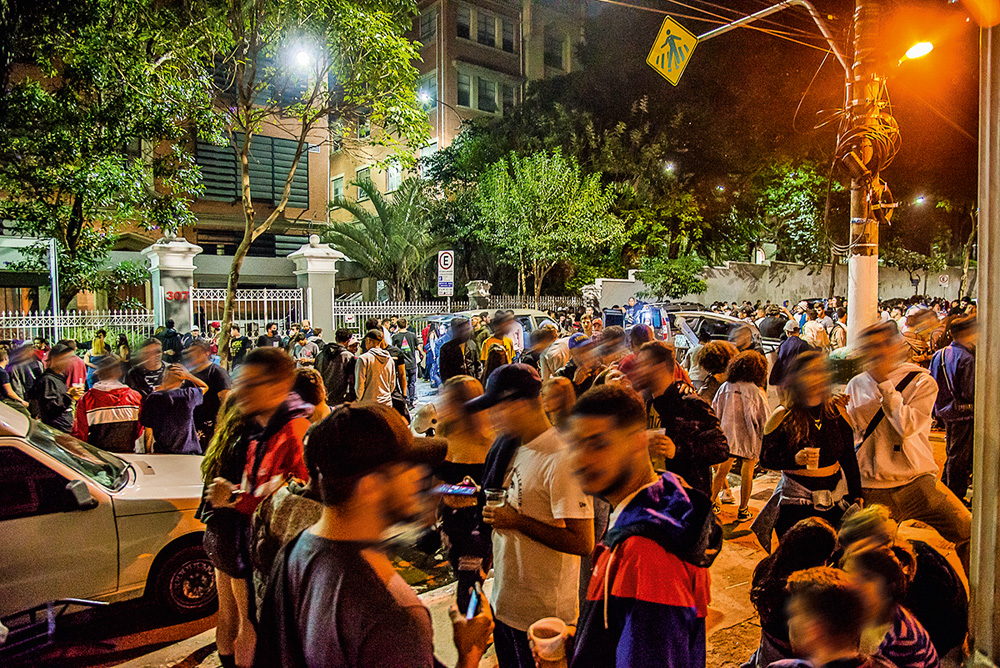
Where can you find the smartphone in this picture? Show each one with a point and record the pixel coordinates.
(459, 490)
(475, 596)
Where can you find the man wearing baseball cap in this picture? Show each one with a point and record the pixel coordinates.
(790, 348)
(333, 598)
(584, 363)
(546, 522)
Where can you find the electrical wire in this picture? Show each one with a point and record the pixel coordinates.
(808, 88)
(790, 30)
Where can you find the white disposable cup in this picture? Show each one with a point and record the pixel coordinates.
(812, 463)
(549, 635)
(495, 497)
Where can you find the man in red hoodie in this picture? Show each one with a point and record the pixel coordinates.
(649, 589)
(108, 414)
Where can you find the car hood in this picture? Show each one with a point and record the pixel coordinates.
(160, 483)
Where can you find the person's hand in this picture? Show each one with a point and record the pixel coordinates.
(662, 445)
(24, 403)
(807, 457)
(220, 493)
(545, 663)
(501, 517)
(75, 393)
(471, 636)
(836, 404)
(684, 389)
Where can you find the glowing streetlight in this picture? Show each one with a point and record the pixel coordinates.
(919, 50)
(303, 58)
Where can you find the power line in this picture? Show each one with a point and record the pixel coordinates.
(791, 30)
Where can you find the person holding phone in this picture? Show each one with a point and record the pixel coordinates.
(334, 598)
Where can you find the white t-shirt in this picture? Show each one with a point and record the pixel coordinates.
(531, 580)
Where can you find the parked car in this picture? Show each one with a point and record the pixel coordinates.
(530, 319)
(81, 523)
(688, 327)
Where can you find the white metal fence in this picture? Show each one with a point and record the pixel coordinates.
(544, 302)
(352, 314)
(253, 308)
(135, 325)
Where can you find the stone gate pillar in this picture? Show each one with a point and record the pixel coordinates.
(479, 294)
(315, 268)
(171, 266)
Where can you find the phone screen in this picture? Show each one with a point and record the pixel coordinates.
(473, 602)
(460, 490)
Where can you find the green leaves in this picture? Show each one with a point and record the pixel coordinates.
(539, 209)
(393, 243)
(672, 278)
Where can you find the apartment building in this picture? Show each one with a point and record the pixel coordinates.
(476, 58)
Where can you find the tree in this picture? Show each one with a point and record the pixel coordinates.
(393, 243)
(98, 100)
(912, 262)
(672, 278)
(538, 209)
(320, 70)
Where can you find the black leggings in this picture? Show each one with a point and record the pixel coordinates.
(789, 515)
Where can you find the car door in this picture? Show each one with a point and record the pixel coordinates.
(51, 549)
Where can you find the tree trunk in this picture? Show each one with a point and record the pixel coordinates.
(231, 287)
(833, 274)
(967, 257)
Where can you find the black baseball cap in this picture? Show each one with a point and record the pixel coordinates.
(508, 382)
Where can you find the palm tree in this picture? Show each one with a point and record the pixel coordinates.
(392, 243)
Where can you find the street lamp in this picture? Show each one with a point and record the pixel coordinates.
(919, 200)
(426, 97)
(918, 50)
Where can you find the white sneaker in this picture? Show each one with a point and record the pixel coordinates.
(726, 496)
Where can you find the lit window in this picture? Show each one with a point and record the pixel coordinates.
(508, 35)
(427, 91)
(428, 25)
(464, 90)
(364, 129)
(553, 49)
(464, 22)
(487, 95)
(336, 188)
(363, 175)
(393, 177)
(487, 29)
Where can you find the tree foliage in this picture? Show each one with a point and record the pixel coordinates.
(393, 243)
(537, 209)
(98, 100)
(893, 254)
(307, 65)
(672, 278)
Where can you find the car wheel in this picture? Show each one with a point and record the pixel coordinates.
(185, 583)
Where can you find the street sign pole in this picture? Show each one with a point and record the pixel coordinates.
(446, 275)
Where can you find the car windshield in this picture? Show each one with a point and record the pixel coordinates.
(102, 467)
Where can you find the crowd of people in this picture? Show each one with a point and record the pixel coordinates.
(584, 466)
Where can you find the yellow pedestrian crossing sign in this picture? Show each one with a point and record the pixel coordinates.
(672, 50)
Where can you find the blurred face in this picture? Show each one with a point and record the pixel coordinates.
(555, 403)
(882, 352)
(597, 325)
(152, 357)
(604, 454)
(61, 363)
(195, 357)
(631, 301)
(258, 392)
(804, 631)
(507, 417)
(475, 322)
(742, 338)
(584, 356)
(464, 332)
(646, 372)
(813, 382)
(272, 330)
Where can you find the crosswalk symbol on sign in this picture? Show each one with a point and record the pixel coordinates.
(672, 50)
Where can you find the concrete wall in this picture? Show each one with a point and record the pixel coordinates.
(778, 281)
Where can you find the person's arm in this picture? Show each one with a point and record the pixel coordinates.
(913, 416)
(401, 375)
(147, 437)
(849, 461)
(359, 378)
(14, 395)
(700, 438)
(194, 380)
(577, 537)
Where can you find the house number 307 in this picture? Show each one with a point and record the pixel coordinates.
(176, 296)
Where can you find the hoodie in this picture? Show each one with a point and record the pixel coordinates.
(336, 364)
(108, 416)
(375, 377)
(649, 590)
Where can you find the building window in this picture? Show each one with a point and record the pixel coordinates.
(508, 98)
(508, 35)
(487, 95)
(428, 25)
(364, 128)
(486, 25)
(271, 158)
(553, 49)
(464, 90)
(336, 188)
(362, 175)
(464, 22)
(427, 90)
(393, 177)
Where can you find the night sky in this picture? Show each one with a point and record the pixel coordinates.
(749, 83)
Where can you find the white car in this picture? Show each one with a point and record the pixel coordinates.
(77, 522)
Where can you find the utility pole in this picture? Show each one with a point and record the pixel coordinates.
(863, 100)
(984, 570)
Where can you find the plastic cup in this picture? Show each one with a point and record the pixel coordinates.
(549, 635)
(812, 460)
(495, 497)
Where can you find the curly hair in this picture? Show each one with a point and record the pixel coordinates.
(309, 386)
(715, 356)
(748, 367)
